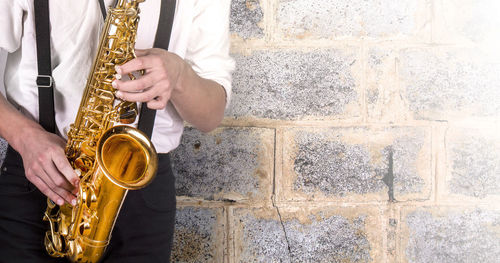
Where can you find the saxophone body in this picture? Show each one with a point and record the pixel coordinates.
(109, 158)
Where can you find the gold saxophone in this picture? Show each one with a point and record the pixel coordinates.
(110, 159)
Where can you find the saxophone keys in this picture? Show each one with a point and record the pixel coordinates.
(49, 245)
(75, 251)
(127, 112)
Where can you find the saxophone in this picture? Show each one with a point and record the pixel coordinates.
(109, 158)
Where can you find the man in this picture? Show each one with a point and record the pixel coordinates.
(190, 82)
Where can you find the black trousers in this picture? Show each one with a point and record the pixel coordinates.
(143, 231)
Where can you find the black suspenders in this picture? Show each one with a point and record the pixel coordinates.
(45, 82)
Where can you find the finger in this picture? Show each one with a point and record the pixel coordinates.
(139, 63)
(157, 104)
(137, 85)
(56, 176)
(52, 183)
(142, 52)
(46, 190)
(145, 96)
(149, 51)
(63, 166)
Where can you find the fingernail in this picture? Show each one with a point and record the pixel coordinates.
(60, 202)
(118, 76)
(119, 94)
(118, 70)
(114, 84)
(73, 202)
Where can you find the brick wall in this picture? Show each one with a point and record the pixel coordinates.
(359, 131)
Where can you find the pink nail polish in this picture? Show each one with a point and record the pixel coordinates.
(114, 84)
(73, 202)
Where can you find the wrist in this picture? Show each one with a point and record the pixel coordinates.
(181, 85)
(19, 135)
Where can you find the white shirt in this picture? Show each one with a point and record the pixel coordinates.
(200, 35)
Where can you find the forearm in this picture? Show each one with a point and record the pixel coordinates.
(199, 101)
(14, 125)
(44, 161)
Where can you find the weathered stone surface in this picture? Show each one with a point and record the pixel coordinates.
(229, 163)
(340, 162)
(451, 236)
(246, 17)
(259, 239)
(308, 235)
(347, 18)
(473, 162)
(3, 149)
(462, 20)
(447, 84)
(383, 96)
(195, 237)
(335, 168)
(295, 85)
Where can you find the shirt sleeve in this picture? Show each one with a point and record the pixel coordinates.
(3, 58)
(11, 24)
(208, 48)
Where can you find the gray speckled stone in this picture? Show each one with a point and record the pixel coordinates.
(333, 238)
(441, 86)
(474, 164)
(454, 237)
(344, 18)
(335, 168)
(407, 146)
(245, 17)
(293, 85)
(263, 239)
(3, 149)
(329, 163)
(195, 235)
(228, 161)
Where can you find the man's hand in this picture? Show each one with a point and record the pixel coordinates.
(168, 77)
(162, 72)
(46, 166)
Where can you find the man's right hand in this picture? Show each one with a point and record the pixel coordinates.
(46, 165)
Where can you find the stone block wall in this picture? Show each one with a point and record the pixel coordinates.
(358, 131)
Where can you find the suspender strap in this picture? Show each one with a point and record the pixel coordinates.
(44, 81)
(162, 40)
(103, 8)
